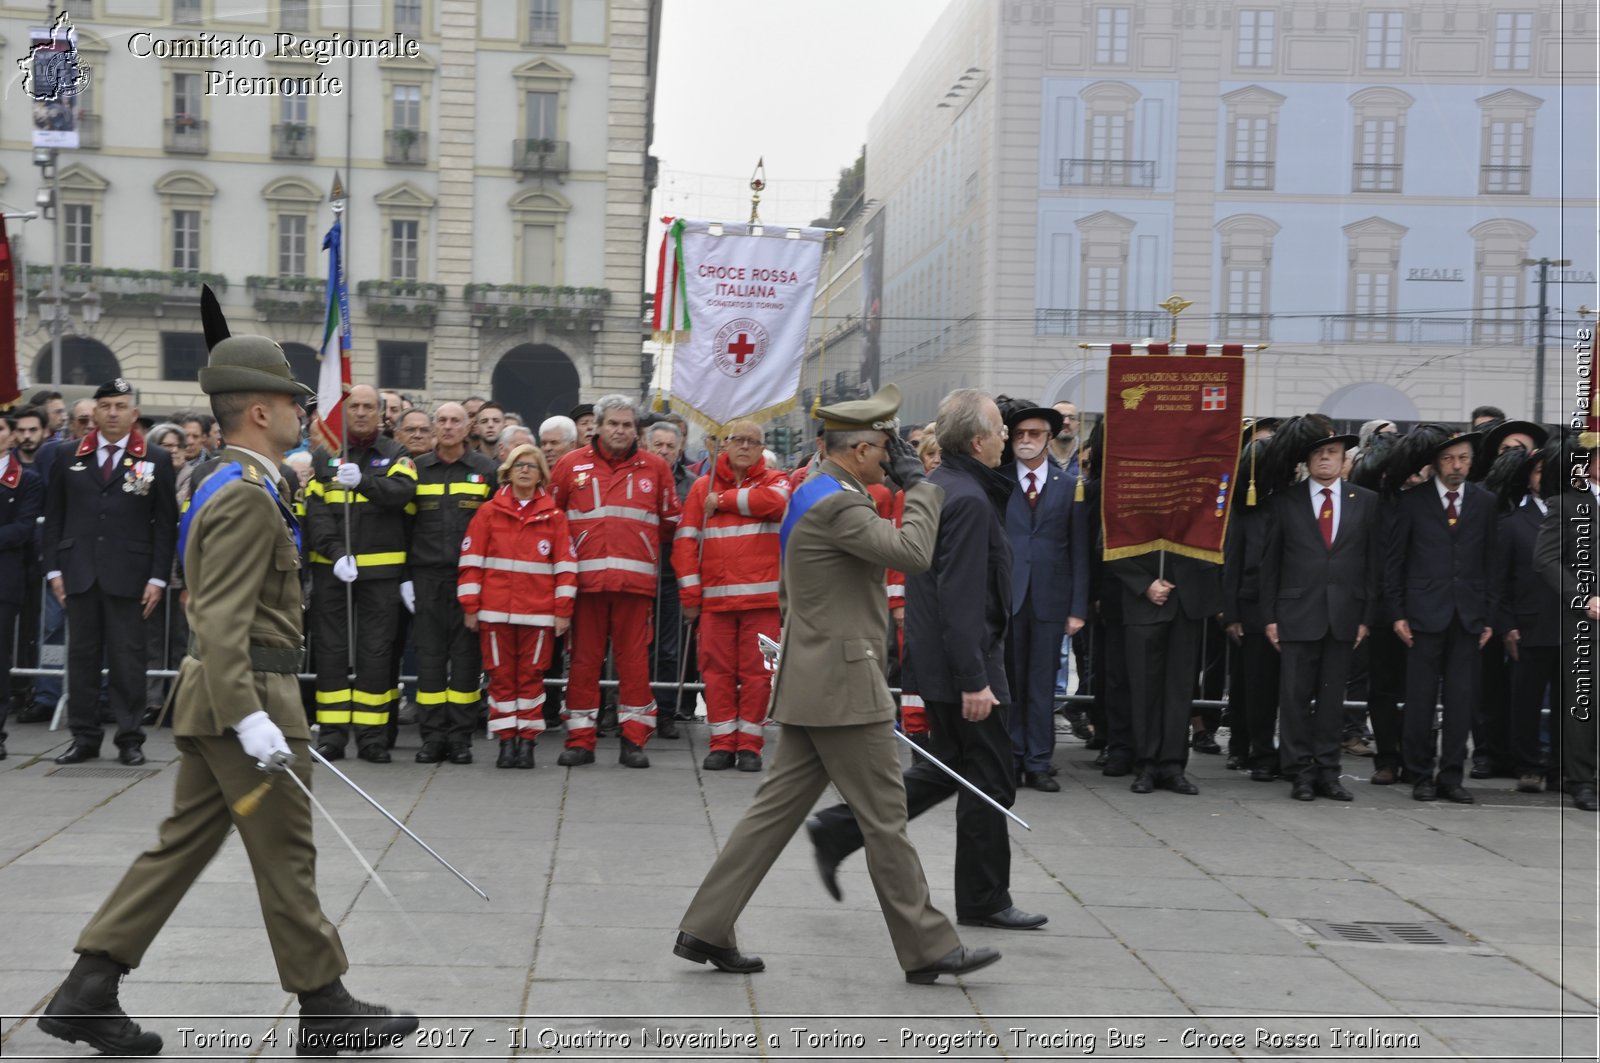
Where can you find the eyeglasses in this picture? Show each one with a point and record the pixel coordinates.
(880, 446)
(524, 465)
(744, 441)
(1031, 433)
(83, 420)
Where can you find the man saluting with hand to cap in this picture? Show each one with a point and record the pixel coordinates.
(831, 700)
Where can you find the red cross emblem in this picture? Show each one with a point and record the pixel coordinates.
(739, 346)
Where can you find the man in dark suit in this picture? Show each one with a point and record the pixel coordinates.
(1530, 617)
(1049, 534)
(1564, 555)
(955, 629)
(1440, 597)
(111, 523)
(1319, 590)
(21, 500)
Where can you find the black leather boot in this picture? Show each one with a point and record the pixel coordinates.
(333, 1021)
(85, 1009)
(524, 752)
(508, 753)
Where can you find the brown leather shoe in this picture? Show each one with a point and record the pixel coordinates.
(1384, 777)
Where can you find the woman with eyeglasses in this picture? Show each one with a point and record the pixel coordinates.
(517, 583)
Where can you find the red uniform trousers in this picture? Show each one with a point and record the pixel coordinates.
(517, 657)
(738, 684)
(625, 619)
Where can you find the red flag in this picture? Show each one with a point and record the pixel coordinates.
(9, 392)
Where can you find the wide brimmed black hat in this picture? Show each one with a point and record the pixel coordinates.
(1564, 452)
(1294, 439)
(1420, 448)
(1372, 466)
(1055, 417)
(1254, 427)
(1493, 436)
(1507, 476)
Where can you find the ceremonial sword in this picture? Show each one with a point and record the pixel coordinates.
(769, 654)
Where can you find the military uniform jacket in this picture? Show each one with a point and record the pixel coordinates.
(449, 494)
(120, 533)
(21, 502)
(830, 595)
(243, 572)
(380, 509)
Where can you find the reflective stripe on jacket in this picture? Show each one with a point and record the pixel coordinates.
(621, 513)
(517, 565)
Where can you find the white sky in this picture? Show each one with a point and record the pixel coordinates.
(795, 83)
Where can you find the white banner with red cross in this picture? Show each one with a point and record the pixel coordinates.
(742, 292)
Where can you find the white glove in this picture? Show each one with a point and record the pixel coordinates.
(349, 474)
(260, 737)
(345, 569)
(408, 596)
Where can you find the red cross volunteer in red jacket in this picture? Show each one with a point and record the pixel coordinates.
(726, 556)
(622, 511)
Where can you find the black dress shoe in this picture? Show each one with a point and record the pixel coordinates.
(1585, 798)
(748, 760)
(328, 751)
(1334, 789)
(461, 754)
(632, 756)
(1041, 781)
(1265, 774)
(1095, 742)
(1235, 762)
(333, 1021)
(1424, 790)
(1143, 783)
(79, 752)
(507, 757)
(1302, 792)
(827, 863)
(132, 756)
(1457, 794)
(666, 726)
(2, 751)
(1482, 768)
(1012, 918)
(374, 754)
(718, 760)
(1204, 742)
(1116, 768)
(1179, 784)
(719, 956)
(959, 960)
(430, 753)
(36, 713)
(86, 1009)
(1101, 758)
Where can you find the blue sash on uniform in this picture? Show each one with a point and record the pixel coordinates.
(811, 492)
(215, 482)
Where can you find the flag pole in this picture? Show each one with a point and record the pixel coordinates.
(337, 201)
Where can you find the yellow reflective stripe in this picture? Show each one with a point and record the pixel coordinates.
(467, 489)
(332, 697)
(369, 719)
(395, 557)
(462, 697)
(367, 697)
(411, 509)
(338, 495)
(333, 716)
(430, 489)
(404, 468)
(314, 487)
(430, 697)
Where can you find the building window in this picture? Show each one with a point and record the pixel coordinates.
(407, 109)
(1385, 36)
(294, 14)
(1247, 275)
(186, 240)
(1244, 303)
(1499, 247)
(79, 234)
(183, 355)
(291, 245)
(1497, 307)
(185, 99)
(186, 11)
(1372, 305)
(1255, 38)
(1111, 34)
(544, 21)
(539, 255)
(1505, 158)
(1513, 41)
(403, 250)
(402, 366)
(1374, 270)
(294, 110)
(79, 9)
(543, 115)
(408, 16)
(1378, 156)
(1250, 158)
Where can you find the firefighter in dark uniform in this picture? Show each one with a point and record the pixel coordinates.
(452, 482)
(376, 483)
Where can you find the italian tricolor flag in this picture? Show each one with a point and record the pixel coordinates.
(327, 428)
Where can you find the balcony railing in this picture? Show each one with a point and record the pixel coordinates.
(88, 131)
(1249, 328)
(401, 302)
(516, 305)
(1243, 174)
(1106, 324)
(540, 157)
(288, 298)
(1109, 173)
(1375, 177)
(1426, 329)
(405, 147)
(294, 140)
(187, 136)
(1504, 180)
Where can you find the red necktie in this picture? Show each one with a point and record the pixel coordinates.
(1450, 507)
(109, 466)
(1325, 517)
(1033, 491)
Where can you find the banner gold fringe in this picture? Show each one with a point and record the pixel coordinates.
(710, 424)
(1139, 550)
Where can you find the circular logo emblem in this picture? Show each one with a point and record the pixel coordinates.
(739, 346)
(544, 547)
(647, 486)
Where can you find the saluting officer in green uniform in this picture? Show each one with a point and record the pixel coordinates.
(236, 703)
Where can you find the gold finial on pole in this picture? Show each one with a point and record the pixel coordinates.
(1175, 306)
(758, 181)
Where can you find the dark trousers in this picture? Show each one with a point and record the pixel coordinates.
(1033, 655)
(1254, 712)
(665, 651)
(1311, 707)
(1211, 656)
(1117, 696)
(449, 663)
(1450, 655)
(1385, 691)
(27, 642)
(1572, 734)
(1491, 719)
(1092, 677)
(1162, 663)
(113, 626)
(981, 753)
(1534, 675)
(360, 704)
(8, 627)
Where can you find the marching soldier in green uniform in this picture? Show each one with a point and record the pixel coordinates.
(235, 704)
(831, 699)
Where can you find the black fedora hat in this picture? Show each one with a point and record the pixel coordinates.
(1025, 413)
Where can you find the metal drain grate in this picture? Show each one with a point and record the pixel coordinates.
(91, 771)
(1434, 935)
